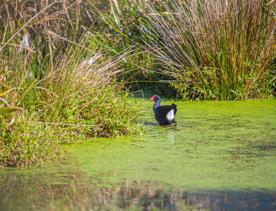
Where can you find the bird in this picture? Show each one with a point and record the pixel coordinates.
(274, 91)
(165, 114)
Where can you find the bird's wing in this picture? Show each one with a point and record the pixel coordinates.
(163, 111)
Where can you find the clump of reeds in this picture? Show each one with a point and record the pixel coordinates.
(81, 92)
(214, 49)
(52, 68)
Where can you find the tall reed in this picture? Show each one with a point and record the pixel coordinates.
(214, 49)
(52, 69)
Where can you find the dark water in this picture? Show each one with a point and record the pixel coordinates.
(220, 156)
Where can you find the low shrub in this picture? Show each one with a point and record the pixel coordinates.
(27, 143)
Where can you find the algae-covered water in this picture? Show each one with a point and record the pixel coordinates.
(220, 156)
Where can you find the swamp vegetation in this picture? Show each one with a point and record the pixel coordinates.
(70, 75)
(69, 67)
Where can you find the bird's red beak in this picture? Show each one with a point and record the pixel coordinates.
(151, 98)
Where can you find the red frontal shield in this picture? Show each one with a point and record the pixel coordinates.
(151, 98)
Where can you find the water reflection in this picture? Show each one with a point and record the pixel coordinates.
(171, 136)
(151, 124)
(75, 191)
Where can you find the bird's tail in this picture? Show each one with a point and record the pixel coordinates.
(174, 107)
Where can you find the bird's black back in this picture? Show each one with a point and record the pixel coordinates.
(162, 111)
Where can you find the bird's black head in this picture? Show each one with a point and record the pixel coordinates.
(154, 98)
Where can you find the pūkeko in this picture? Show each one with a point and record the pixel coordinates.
(164, 115)
(274, 91)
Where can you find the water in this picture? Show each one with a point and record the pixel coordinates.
(220, 156)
